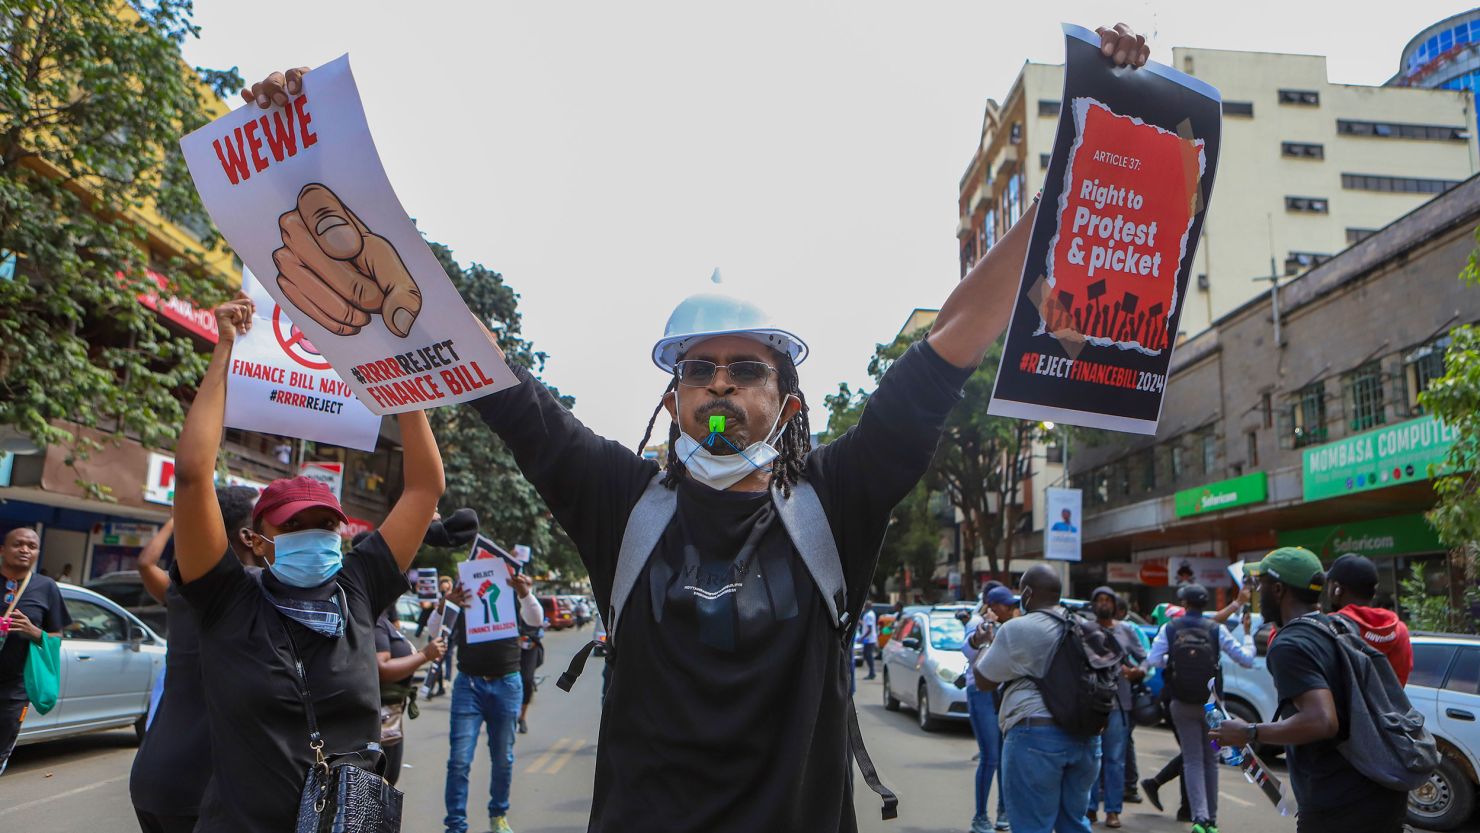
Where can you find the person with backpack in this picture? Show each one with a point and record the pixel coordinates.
(1109, 787)
(1336, 753)
(1190, 648)
(1059, 676)
(1350, 585)
(998, 605)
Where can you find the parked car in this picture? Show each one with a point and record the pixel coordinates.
(1445, 688)
(922, 663)
(408, 616)
(110, 660)
(126, 589)
(559, 612)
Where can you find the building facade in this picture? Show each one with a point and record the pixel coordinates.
(1307, 167)
(1445, 56)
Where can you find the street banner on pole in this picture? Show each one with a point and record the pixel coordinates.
(1062, 535)
(490, 612)
(1105, 278)
(279, 383)
(300, 194)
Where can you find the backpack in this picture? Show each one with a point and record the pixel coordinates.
(806, 524)
(1386, 740)
(1081, 684)
(1193, 653)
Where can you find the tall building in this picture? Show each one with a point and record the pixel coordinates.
(1445, 56)
(1307, 167)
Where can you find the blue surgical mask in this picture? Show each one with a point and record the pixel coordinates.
(308, 558)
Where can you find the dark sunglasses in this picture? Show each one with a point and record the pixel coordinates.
(697, 373)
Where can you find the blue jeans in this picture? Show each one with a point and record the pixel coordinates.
(1048, 775)
(983, 712)
(475, 701)
(1111, 783)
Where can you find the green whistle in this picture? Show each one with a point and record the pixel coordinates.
(717, 424)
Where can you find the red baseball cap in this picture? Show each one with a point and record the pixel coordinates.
(282, 499)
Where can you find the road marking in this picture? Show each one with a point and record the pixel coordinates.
(69, 793)
(1235, 799)
(549, 753)
(565, 757)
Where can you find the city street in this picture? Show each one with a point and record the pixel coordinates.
(82, 784)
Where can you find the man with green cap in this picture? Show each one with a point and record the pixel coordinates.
(1306, 666)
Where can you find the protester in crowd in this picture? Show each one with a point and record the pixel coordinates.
(1314, 715)
(66, 576)
(442, 671)
(868, 633)
(998, 605)
(169, 775)
(1132, 770)
(301, 633)
(582, 613)
(1189, 648)
(1109, 787)
(30, 607)
(1047, 772)
(397, 662)
(531, 657)
(1350, 585)
(489, 690)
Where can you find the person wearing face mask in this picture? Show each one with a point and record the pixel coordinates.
(728, 708)
(304, 624)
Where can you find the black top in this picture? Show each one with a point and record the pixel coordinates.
(174, 762)
(41, 603)
(258, 729)
(728, 698)
(497, 658)
(389, 639)
(1302, 659)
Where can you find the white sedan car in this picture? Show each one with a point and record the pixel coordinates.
(922, 663)
(110, 660)
(1445, 688)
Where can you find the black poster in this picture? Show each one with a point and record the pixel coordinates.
(1112, 245)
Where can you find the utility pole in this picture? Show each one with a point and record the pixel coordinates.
(1274, 300)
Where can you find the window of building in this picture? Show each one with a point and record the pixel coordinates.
(1148, 470)
(1122, 479)
(1251, 448)
(1179, 461)
(1308, 415)
(1396, 184)
(1357, 235)
(968, 255)
(1421, 367)
(1014, 198)
(1308, 205)
(989, 230)
(1302, 150)
(1397, 130)
(1238, 108)
(1266, 405)
(1054, 453)
(1015, 135)
(1048, 108)
(1044, 159)
(1364, 397)
(1297, 262)
(1209, 452)
(1309, 98)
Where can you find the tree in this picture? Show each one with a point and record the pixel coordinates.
(95, 97)
(481, 472)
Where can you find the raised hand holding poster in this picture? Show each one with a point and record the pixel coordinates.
(490, 610)
(1106, 272)
(279, 383)
(299, 192)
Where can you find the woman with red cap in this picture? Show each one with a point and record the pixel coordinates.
(300, 629)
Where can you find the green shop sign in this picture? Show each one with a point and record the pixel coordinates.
(1225, 494)
(1375, 459)
(1398, 535)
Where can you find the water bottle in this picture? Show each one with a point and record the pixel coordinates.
(1229, 755)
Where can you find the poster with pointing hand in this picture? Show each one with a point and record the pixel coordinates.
(299, 192)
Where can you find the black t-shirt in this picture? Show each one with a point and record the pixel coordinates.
(729, 690)
(496, 658)
(174, 762)
(1302, 659)
(389, 639)
(42, 604)
(259, 732)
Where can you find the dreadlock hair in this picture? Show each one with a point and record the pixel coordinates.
(793, 445)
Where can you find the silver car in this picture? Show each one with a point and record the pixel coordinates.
(922, 663)
(110, 660)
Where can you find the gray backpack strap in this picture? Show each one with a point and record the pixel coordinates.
(645, 525)
(810, 532)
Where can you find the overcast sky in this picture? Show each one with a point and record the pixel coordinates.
(606, 157)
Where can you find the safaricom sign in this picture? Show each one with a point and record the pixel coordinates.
(1377, 459)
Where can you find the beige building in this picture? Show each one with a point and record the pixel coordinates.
(1306, 167)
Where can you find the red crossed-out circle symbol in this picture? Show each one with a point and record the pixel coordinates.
(295, 342)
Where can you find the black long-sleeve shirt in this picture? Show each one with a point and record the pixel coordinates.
(728, 700)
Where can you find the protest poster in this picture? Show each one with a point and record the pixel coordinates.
(299, 192)
(1061, 540)
(426, 584)
(522, 553)
(442, 623)
(490, 613)
(1111, 248)
(278, 383)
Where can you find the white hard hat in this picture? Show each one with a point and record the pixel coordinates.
(705, 315)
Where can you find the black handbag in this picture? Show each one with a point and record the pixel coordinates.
(345, 792)
(1145, 708)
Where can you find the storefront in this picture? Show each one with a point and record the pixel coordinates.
(1395, 544)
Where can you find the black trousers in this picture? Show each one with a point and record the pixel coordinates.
(153, 823)
(394, 754)
(12, 713)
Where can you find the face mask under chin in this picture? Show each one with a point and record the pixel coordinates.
(721, 471)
